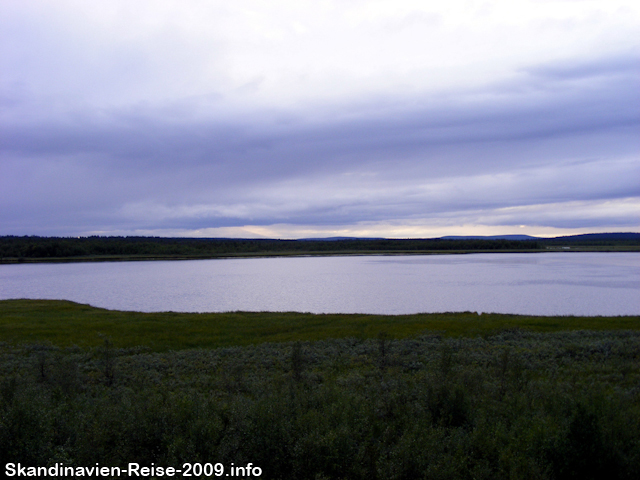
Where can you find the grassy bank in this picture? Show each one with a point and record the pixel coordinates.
(64, 323)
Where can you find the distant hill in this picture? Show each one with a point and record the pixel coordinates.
(492, 237)
(598, 236)
(589, 238)
(630, 239)
(338, 239)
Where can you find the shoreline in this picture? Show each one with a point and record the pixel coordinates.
(65, 323)
(146, 258)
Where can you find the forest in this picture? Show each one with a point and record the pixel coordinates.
(13, 248)
(16, 249)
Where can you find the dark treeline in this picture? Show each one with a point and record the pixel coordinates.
(61, 247)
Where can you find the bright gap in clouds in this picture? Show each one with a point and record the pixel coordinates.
(297, 119)
(292, 53)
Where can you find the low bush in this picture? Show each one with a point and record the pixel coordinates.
(511, 405)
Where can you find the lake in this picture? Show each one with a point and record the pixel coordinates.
(562, 283)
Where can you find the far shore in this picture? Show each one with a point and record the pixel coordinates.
(139, 258)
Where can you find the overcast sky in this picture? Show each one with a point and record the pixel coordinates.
(292, 119)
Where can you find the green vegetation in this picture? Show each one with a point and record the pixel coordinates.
(57, 249)
(595, 241)
(446, 396)
(64, 324)
(30, 249)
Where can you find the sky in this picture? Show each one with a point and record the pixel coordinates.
(297, 119)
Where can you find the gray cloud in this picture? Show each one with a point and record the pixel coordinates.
(546, 147)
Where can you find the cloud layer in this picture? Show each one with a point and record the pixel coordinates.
(312, 118)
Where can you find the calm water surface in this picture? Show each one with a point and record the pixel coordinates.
(541, 284)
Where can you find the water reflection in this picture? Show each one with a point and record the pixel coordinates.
(540, 284)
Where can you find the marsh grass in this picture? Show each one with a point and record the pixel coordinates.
(65, 323)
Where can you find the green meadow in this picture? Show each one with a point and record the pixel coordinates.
(319, 397)
(64, 323)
